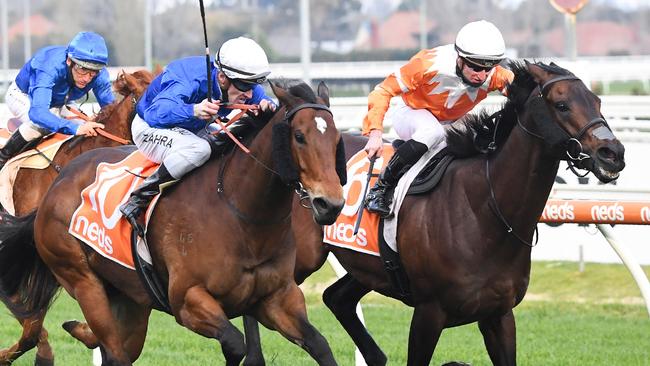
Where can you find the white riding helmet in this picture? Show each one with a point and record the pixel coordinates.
(481, 43)
(243, 59)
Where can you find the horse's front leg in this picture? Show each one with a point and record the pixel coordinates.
(499, 335)
(254, 355)
(285, 312)
(201, 313)
(342, 298)
(426, 326)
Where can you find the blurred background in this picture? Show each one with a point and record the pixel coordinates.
(354, 44)
(341, 30)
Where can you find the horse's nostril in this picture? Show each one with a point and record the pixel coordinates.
(319, 204)
(606, 153)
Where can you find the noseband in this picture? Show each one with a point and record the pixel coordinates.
(569, 141)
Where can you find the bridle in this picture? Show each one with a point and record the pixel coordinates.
(571, 158)
(296, 185)
(538, 92)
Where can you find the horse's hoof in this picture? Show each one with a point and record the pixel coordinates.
(70, 325)
(455, 363)
(40, 361)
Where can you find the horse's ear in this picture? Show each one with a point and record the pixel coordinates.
(283, 96)
(324, 93)
(539, 74)
(134, 84)
(157, 70)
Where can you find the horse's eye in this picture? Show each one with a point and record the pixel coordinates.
(562, 107)
(300, 137)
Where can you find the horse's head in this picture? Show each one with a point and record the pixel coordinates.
(584, 137)
(308, 149)
(132, 84)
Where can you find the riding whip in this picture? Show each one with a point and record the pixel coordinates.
(209, 70)
(363, 197)
(207, 51)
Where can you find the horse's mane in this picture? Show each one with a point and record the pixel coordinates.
(297, 88)
(461, 135)
(106, 112)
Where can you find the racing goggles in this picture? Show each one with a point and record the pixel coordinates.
(246, 85)
(84, 71)
(480, 65)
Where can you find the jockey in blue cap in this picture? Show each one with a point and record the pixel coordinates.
(53, 78)
(174, 111)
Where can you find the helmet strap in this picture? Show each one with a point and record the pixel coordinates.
(71, 82)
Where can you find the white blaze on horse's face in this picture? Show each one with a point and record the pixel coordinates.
(321, 124)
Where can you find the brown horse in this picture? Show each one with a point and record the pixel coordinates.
(31, 185)
(466, 245)
(221, 242)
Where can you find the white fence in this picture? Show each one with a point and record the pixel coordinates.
(627, 115)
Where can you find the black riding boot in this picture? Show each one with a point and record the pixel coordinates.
(379, 197)
(142, 196)
(13, 146)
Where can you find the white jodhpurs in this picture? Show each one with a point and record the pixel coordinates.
(19, 104)
(179, 149)
(417, 124)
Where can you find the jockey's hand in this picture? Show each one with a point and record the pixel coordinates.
(267, 105)
(375, 145)
(88, 129)
(206, 109)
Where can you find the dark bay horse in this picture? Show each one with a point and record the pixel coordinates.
(31, 185)
(220, 241)
(462, 262)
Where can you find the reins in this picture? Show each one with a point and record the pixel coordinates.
(494, 205)
(296, 185)
(79, 114)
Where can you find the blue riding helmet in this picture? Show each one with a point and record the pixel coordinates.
(88, 50)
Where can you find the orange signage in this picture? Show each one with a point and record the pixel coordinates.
(596, 212)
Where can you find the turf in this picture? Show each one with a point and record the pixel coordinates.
(595, 317)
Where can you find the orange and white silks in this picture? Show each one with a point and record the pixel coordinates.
(98, 221)
(340, 233)
(429, 81)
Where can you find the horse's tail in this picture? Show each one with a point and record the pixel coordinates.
(24, 277)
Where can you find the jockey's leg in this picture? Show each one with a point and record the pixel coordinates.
(177, 150)
(422, 131)
(142, 196)
(13, 146)
(379, 197)
(285, 312)
(19, 105)
(201, 313)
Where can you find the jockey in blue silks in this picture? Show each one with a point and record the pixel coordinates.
(53, 78)
(174, 111)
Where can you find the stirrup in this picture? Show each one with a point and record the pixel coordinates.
(136, 225)
(132, 213)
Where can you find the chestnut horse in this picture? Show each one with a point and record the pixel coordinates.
(220, 239)
(31, 185)
(466, 245)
